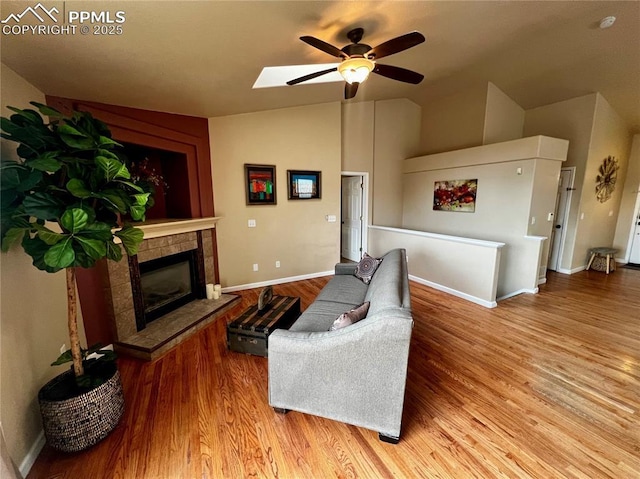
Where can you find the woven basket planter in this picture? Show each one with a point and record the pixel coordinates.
(71, 425)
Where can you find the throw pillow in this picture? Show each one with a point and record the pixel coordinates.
(366, 267)
(350, 317)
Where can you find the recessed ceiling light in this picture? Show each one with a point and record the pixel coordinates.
(606, 22)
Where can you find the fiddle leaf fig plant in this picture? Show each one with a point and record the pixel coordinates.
(63, 200)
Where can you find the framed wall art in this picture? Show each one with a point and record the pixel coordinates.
(455, 195)
(304, 185)
(260, 184)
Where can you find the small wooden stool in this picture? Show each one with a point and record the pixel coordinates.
(609, 263)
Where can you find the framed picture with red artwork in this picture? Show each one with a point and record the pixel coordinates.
(260, 184)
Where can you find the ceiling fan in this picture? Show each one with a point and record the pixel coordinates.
(359, 60)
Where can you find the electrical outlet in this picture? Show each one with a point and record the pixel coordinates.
(255, 266)
(251, 223)
(533, 220)
(277, 264)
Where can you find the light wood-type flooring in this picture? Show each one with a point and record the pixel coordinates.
(544, 386)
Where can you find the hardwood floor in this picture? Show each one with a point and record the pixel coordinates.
(544, 386)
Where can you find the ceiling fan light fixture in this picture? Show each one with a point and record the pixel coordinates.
(356, 70)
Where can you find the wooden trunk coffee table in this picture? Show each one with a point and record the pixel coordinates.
(250, 332)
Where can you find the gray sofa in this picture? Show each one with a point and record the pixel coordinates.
(356, 374)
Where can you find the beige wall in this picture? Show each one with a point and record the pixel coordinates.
(505, 200)
(33, 315)
(610, 137)
(573, 121)
(630, 188)
(503, 119)
(396, 137)
(453, 122)
(304, 138)
(357, 136)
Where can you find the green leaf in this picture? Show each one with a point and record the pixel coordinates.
(36, 248)
(75, 138)
(108, 154)
(131, 238)
(42, 206)
(77, 188)
(45, 162)
(95, 249)
(137, 212)
(65, 357)
(123, 172)
(11, 236)
(131, 185)
(113, 199)
(110, 167)
(104, 141)
(74, 220)
(46, 110)
(30, 115)
(99, 231)
(142, 198)
(30, 181)
(60, 255)
(48, 236)
(113, 251)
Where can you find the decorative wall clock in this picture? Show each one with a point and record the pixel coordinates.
(606, 180)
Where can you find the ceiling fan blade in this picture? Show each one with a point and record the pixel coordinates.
(311, 76)
(350, 90)
(397, 73)
(396, 45)
(324, 46)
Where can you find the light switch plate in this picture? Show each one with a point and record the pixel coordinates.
(251, 223)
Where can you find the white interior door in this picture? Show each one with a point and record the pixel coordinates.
(560, 218)
(351, 232)
(634, 254)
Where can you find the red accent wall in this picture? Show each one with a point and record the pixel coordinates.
(191, 177)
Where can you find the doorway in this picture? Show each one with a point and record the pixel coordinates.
(353, 215)
(561, 215)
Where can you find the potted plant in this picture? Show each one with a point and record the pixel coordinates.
(63, 201)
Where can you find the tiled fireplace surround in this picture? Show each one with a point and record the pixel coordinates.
(169, 330)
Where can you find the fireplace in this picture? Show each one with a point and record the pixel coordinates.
(166, 274)
(168, 283)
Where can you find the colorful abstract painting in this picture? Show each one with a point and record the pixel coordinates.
(455, 195)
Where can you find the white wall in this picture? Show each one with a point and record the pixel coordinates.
(630, 188)
(503, 118)
(610, 137)
(302, 138)
(573, 121)
(33, 317)
(396, 137)
(504, 202)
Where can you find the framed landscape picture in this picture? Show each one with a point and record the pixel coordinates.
(304, 185)
(260, 184)
(455, 195)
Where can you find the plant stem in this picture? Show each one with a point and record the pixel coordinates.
(72, 317)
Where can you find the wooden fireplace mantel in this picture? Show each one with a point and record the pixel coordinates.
(166, 227)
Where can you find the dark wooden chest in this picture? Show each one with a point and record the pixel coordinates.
(250, 332)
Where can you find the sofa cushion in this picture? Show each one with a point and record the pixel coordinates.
(350, 317)
(320, 315)
(346, 289)
(385, 288)
(367, 267)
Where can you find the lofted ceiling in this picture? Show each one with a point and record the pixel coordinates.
(202, 58)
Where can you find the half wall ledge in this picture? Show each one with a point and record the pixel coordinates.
(464, 267)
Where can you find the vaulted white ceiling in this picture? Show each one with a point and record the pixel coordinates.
(202, 58)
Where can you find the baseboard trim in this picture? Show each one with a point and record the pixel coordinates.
(30, 459)
(572, 271)
(520, 291)
(273, 282)
(542, 281)
(454, 292)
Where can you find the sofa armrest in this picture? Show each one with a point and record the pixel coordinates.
(346, 268)
(355, 375)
